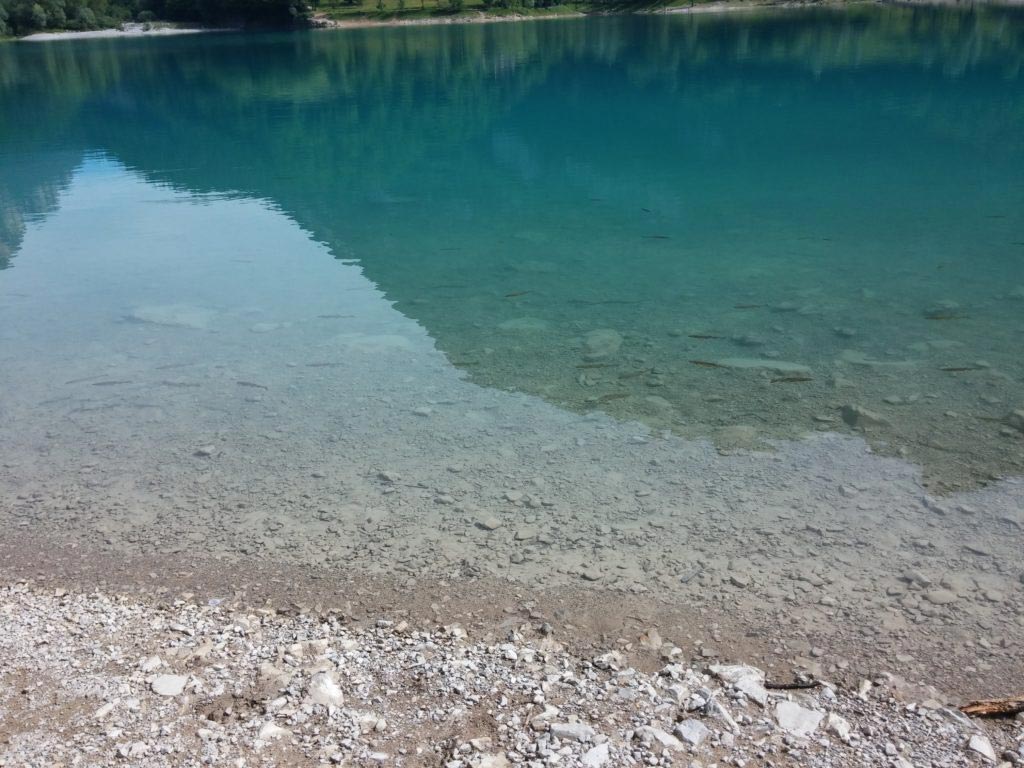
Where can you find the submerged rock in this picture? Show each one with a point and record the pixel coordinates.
(603, 342)
(173, 315)
(757, 363)
(524, 324)
(1015, 419)
(858, 416)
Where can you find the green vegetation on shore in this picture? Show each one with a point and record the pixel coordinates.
(22, 17)
(412, 10)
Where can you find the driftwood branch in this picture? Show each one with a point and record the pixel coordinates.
(994, 707)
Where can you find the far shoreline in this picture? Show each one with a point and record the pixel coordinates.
(132, 30)
(321, 22)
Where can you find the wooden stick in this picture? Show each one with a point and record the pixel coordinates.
(994, 707)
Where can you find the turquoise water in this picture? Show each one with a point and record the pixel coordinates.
(765, 218)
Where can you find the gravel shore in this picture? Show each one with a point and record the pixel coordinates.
(96, 679)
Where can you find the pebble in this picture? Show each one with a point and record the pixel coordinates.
(692, 731)
(596, 757)
(601, 343)
(940, 596)
(858, 416)
(796, 720)
(323, 690)
(573, 732)
(168, 685)
(980, 744)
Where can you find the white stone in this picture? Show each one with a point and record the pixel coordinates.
(797, 720)
(272, 730)
(168, 685)
(692, 732)
(982, 746)
(490, 761)
(649, 734)
(573, 732)
(595, 757)
(749, 680)
(838, 726)
(323, 690)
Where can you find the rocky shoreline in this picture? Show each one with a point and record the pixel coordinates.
(102, 680)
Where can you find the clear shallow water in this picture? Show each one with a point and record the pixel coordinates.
(842, 192)
(348, 299)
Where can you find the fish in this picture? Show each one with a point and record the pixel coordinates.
(707, 364)
(946, 315)
(959, 368)
(514, 294)
(612, 396)
(252, 384)
(111, 383)
(704, 336)
(657, 237)
(788, 379)
(747, 306)
(595, 365)
(646, 210)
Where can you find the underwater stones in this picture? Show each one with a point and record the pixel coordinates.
(601, 343)
(372, 342)
(748, 340)
(757, 363)
(943, 310)
(858, 358)
(524, 325)
(941, 596)
(860, 417)
(265, 327)
(173, 315)
(1015, 419)
(737, 436)
(934, 345)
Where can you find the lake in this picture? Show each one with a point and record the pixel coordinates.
(719, 312)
